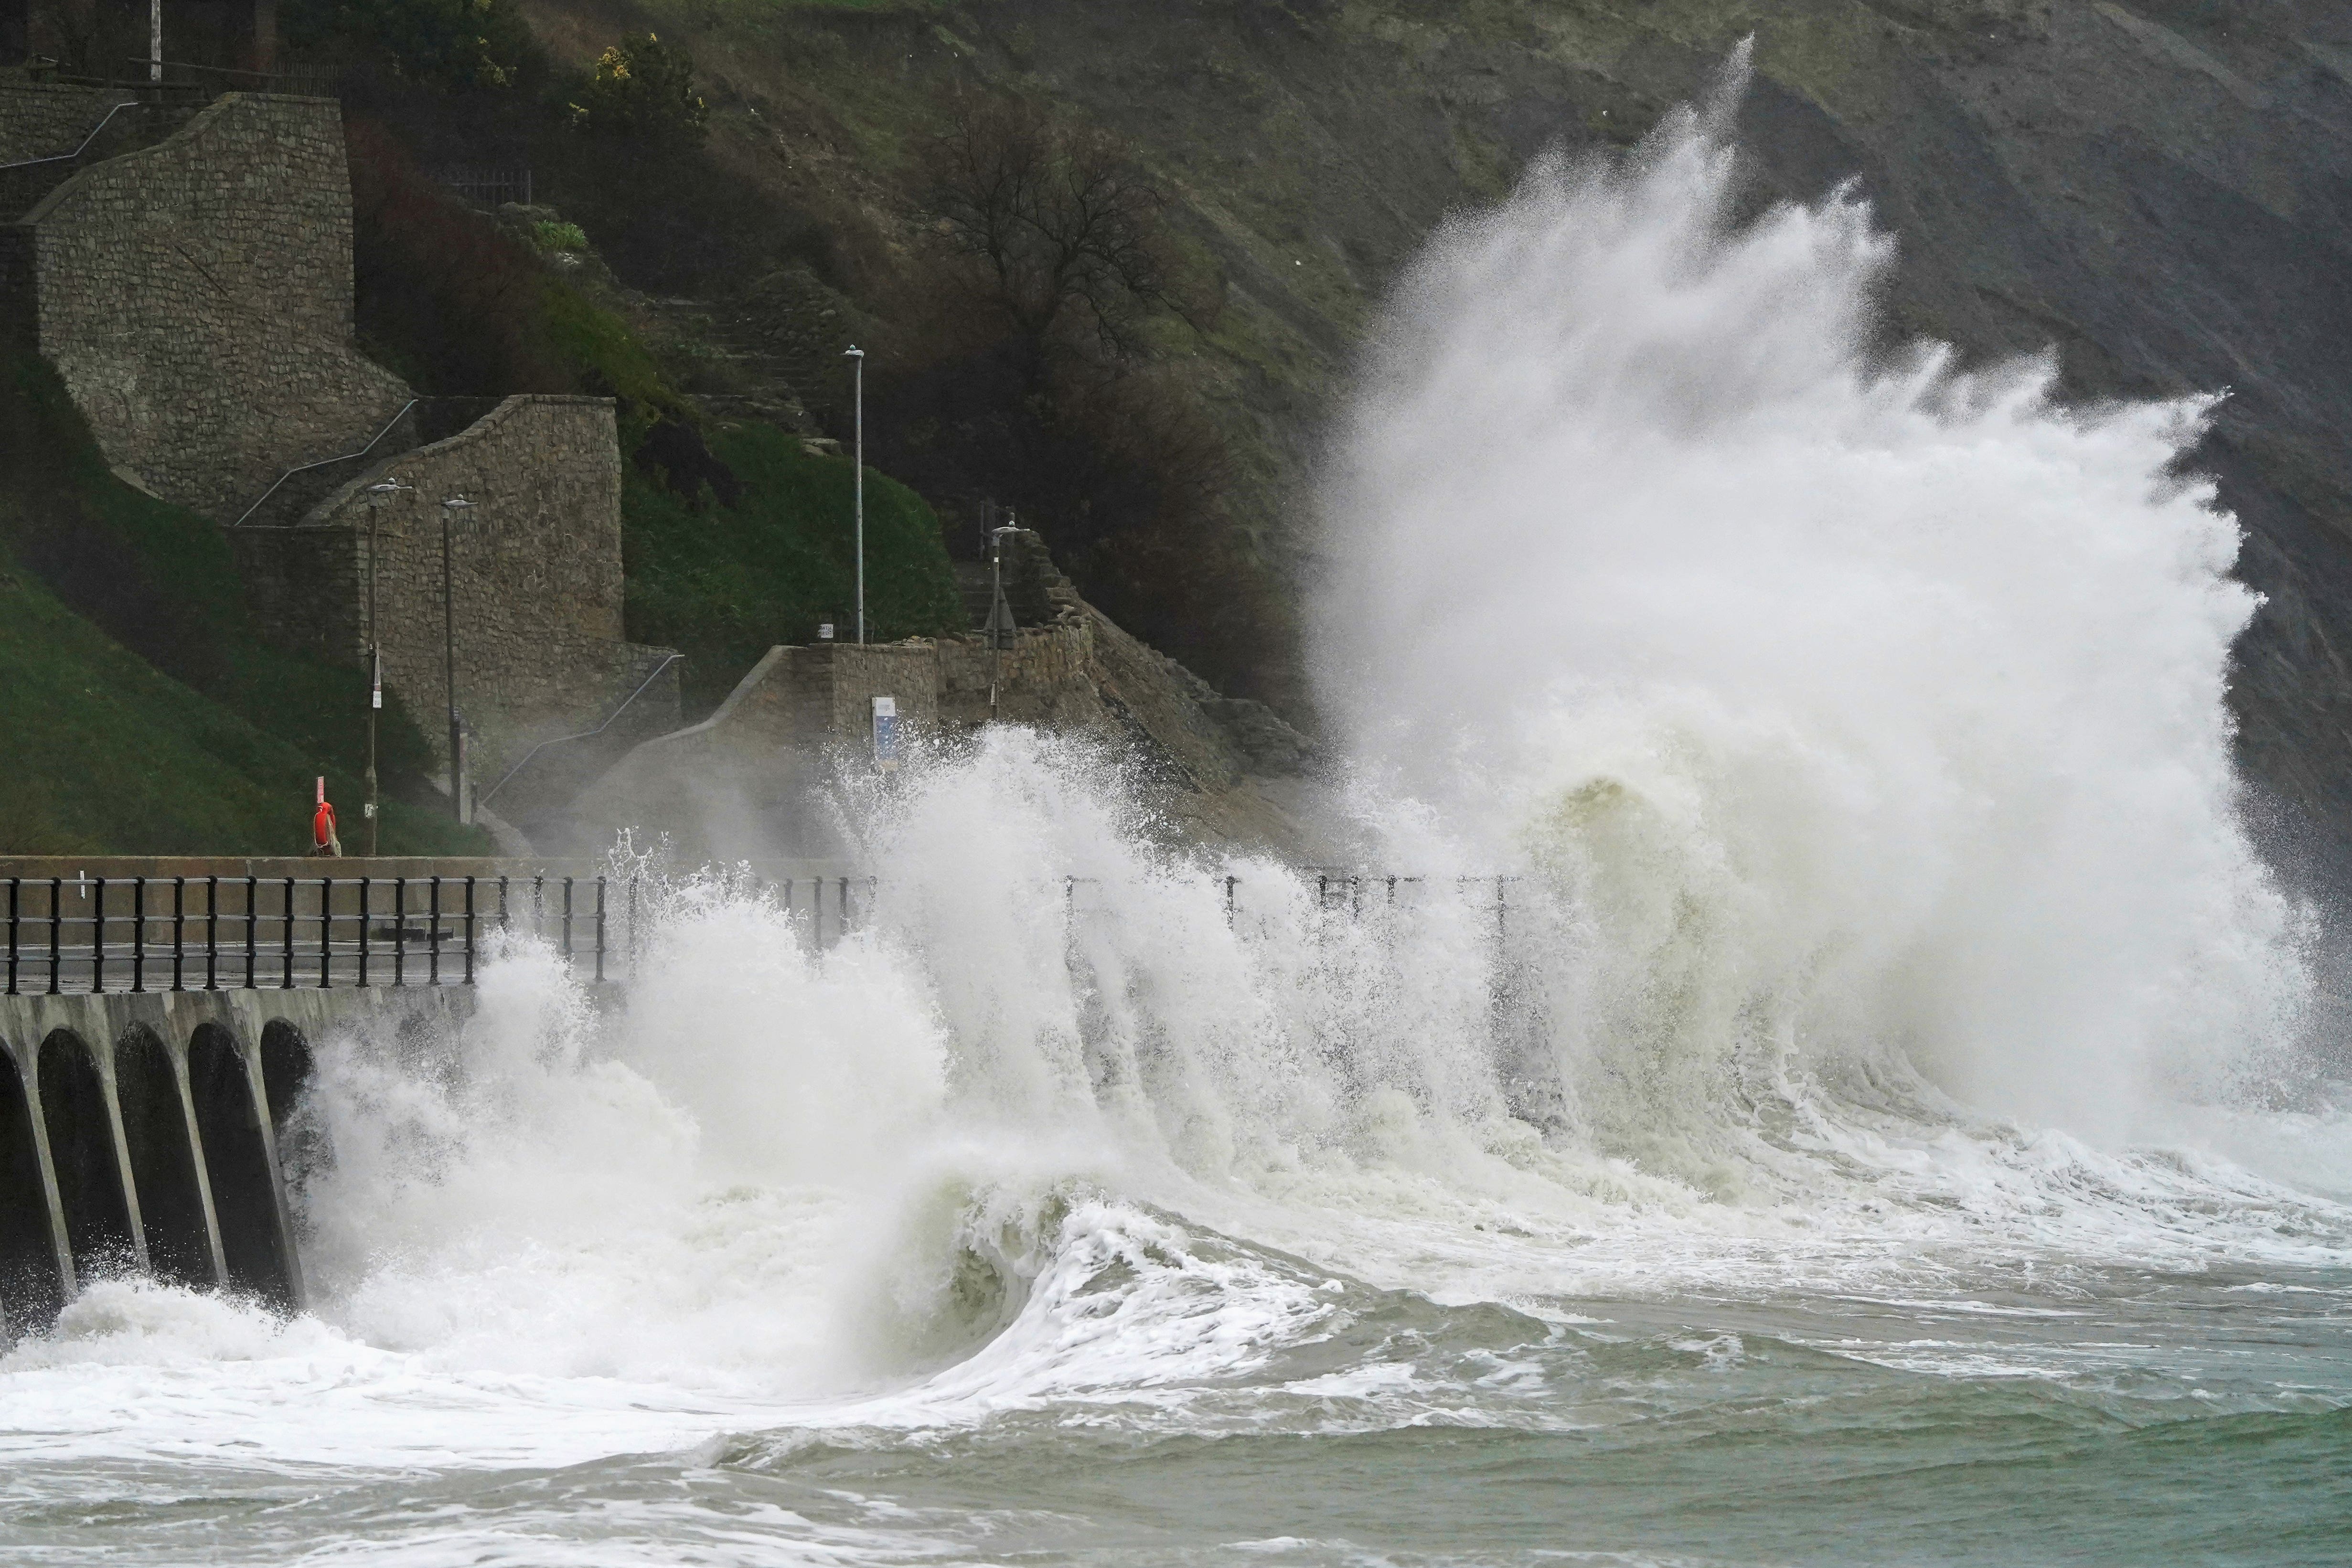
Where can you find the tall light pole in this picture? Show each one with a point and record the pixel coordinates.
(999, 613)
(450, 509)
(383, 491)
(856, 356)
(155, 40)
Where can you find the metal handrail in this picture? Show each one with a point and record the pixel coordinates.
(267, 941)
(322, 462)
(484, 800)
(66, 157)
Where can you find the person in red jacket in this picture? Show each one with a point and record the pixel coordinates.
(323, 827)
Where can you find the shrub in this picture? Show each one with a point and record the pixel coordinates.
(643, 91)
(1026, 369)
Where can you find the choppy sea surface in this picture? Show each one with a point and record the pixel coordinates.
(1171, 1395)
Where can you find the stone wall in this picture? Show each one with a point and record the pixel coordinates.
(39, 119)
(195, 297)
(752, 779)
(534, 573)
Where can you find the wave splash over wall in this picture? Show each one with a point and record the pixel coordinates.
(1807, 773)
(1864, 705)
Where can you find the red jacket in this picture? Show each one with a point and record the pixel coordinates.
(322, 826)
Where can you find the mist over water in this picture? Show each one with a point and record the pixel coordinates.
(1884, 1056)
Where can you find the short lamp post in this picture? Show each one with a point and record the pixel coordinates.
(381, 493)
(449, 510)
(856, 357)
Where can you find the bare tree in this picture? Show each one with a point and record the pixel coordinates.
(1065, 235)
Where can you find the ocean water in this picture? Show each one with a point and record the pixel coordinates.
(1895, 1116)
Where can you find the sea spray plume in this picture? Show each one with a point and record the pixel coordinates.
(1871, 710)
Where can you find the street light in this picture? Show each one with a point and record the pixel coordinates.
(384, 490)
(999, 613)
(857, 356)
(450, 509)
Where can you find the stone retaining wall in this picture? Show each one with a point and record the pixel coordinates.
(195, 297)
(752, 777)
(39, 119)
(534, 573)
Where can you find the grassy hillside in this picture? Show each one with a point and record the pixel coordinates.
(143, 712)
(108, 755)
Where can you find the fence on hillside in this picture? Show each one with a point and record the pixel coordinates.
(489, 187)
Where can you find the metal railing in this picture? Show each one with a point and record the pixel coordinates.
(492, 187)
(312, 81)
(324, 462)
(83, 934)
(610, 720)
(1347, 890)
(105, 120)
(130, 933)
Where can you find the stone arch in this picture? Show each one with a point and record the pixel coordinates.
(89, 1168)
(287, 1066)
(245, 1190)
(162, 1162)
(286, 1069)
(32, 1289)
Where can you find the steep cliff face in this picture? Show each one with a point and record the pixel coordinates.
(2160, 191)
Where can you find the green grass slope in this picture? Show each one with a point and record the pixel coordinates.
(143, 712)
(724, 584)
(107, 755)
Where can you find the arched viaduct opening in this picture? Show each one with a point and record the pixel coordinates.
(163, 1163)
(31, 1290)
(245, 1199)
(82, 1154)
(286, 1067)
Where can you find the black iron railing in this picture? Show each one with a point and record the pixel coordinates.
(80, 935)
(127, 934)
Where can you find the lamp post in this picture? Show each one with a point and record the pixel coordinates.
(449, 510)
(856, 356)
(155, 40)
(383, 491)
(999, 613)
